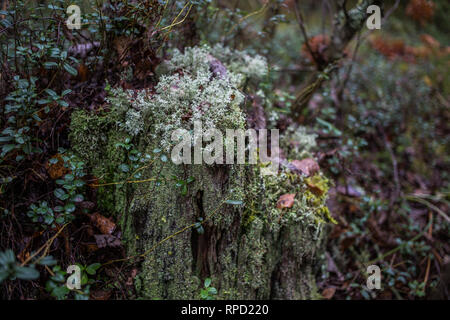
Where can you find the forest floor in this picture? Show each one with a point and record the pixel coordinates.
(382, 125)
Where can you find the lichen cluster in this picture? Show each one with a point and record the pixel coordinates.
(298, 143)
(309, 207)
(196, 87)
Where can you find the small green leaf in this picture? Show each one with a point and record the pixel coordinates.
(212, 290)
(84, 279)
(48, 261)
(60, 292)
(50, 65)
(234, 202)
(26, 273)
(92, 269)
(59, 193)
(7, 148)
(207, 282)
(204, 294)
(70, 69)
(78, 198)
(70, 207)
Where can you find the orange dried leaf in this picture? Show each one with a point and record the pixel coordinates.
(286, 201)
(307, 166)
(328, 293)
(56, 170)
(420, 10)
(105, 225)
(101, 294)
(314, 186)
(429, 41)
(318, 45)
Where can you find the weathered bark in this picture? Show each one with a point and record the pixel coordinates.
(245, 260)
(248, 253)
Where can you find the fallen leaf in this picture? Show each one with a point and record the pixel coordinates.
(307, 166)
(91, 247)
(430, 41)
(349, 191)
(328, 293)
(105, 225)
(317, 185)
(105, 240)
(101, 294)
(56, 170)
(286, 201)
(130, 279)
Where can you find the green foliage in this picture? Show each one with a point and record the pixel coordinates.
(135, 159)
(183, 184)
(11, 269)
(56, 285)
(208, 292)
(69, 194)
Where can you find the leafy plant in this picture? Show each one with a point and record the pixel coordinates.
(183, 184)
(11, 269)
(208, 292)
(56, 285)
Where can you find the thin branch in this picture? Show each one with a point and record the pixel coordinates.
(301, 24)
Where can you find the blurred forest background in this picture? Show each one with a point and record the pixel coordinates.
(381, 115)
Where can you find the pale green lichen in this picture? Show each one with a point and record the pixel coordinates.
(240, 62)
(298, 143)
(192, 92)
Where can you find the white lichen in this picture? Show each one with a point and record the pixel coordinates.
(192, 91)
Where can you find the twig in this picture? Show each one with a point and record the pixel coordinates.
(394, 163)
(301, 24)
(429, 205)
(261, 10)
(46, 246)
(382, 257)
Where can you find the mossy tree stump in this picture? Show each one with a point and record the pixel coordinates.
(251, 250)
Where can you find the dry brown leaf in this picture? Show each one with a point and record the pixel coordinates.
(106, 240)
(430, 41)
(286, 201)
(56, 170)
(121, 44)
(91, 247)
(130, 280)
(328, 293)
(318, 45)
(316, 185)
(307, 166)
(105, 225)
(101, 294)
(421, 10)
